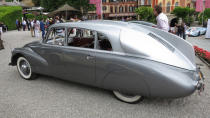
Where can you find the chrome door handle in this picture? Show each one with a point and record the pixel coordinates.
(89, 57)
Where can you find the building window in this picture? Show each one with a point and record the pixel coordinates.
(132, 0)
(111, 9)
(130, 9)
(149, 2)
(176, 4)
(104, 8)
(188, 5)
(168, 7)
(115, 9)
(112, 0)
(160, 4)
(126, 8)
(103, 0)
(120, 9)
(142, 2)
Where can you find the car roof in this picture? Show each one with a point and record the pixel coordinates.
(95, 23)
(110, 28)
(101, 25)
(143, 23)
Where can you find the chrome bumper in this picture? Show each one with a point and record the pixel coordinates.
(200, 86)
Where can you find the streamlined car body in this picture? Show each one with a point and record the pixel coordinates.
(129, 59)
(144, 23)
(196, 31)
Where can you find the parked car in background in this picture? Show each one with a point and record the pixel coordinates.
(144, 23)
(196, 31)
(129, 59)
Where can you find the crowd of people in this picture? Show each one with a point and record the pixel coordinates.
(36, 26)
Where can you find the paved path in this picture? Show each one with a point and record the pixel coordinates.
(48, 97)
(200, 42)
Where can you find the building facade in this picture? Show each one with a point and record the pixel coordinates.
(194, 3)
(122, 9)
(118, 9)
(169, 5)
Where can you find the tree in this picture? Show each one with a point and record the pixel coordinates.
(180, 12)
(145, 13)
(206, 13)
(37, 2)
(51, 5)
(185, 13)
(204, 16)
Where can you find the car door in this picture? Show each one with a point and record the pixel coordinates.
(79, 56)
(51, 50)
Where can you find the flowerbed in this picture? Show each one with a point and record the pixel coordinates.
(202, 53)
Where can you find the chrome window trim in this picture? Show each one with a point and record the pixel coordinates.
(47, 34)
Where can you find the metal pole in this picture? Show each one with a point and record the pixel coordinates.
(101, 10)
(66, 15)
(202, 18)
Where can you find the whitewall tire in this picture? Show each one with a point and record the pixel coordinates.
(128, 98)
(24, 68)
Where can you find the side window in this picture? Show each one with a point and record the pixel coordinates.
(77, 37)
(103, 43)
(56, 36)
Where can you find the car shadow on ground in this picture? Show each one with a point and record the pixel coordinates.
(101, 93)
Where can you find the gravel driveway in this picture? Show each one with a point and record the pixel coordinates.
(48, 97)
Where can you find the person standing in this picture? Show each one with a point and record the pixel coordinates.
(42, 28)
(28, 24)
(32, 28)
(57, 19)
(162, 19)
(1, 41)
(36, 28)
(184, 30)
(17, 25)
(24, 25)
(20, 25)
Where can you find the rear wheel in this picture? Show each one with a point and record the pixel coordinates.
(128, 98)
(24, 69)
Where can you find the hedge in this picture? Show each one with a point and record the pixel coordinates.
(40, 17)
(9, 14)
(30, 16)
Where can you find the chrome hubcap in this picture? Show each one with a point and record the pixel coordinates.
(24, 67)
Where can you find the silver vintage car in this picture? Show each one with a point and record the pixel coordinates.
(129, 59)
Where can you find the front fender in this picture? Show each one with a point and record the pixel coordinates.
(36, 61)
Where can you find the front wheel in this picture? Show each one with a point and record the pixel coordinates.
(24, 69)
(127, 97)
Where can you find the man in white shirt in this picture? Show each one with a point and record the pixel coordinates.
(24, 25)
(162, 19)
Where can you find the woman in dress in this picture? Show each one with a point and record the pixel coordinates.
(36, 28)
